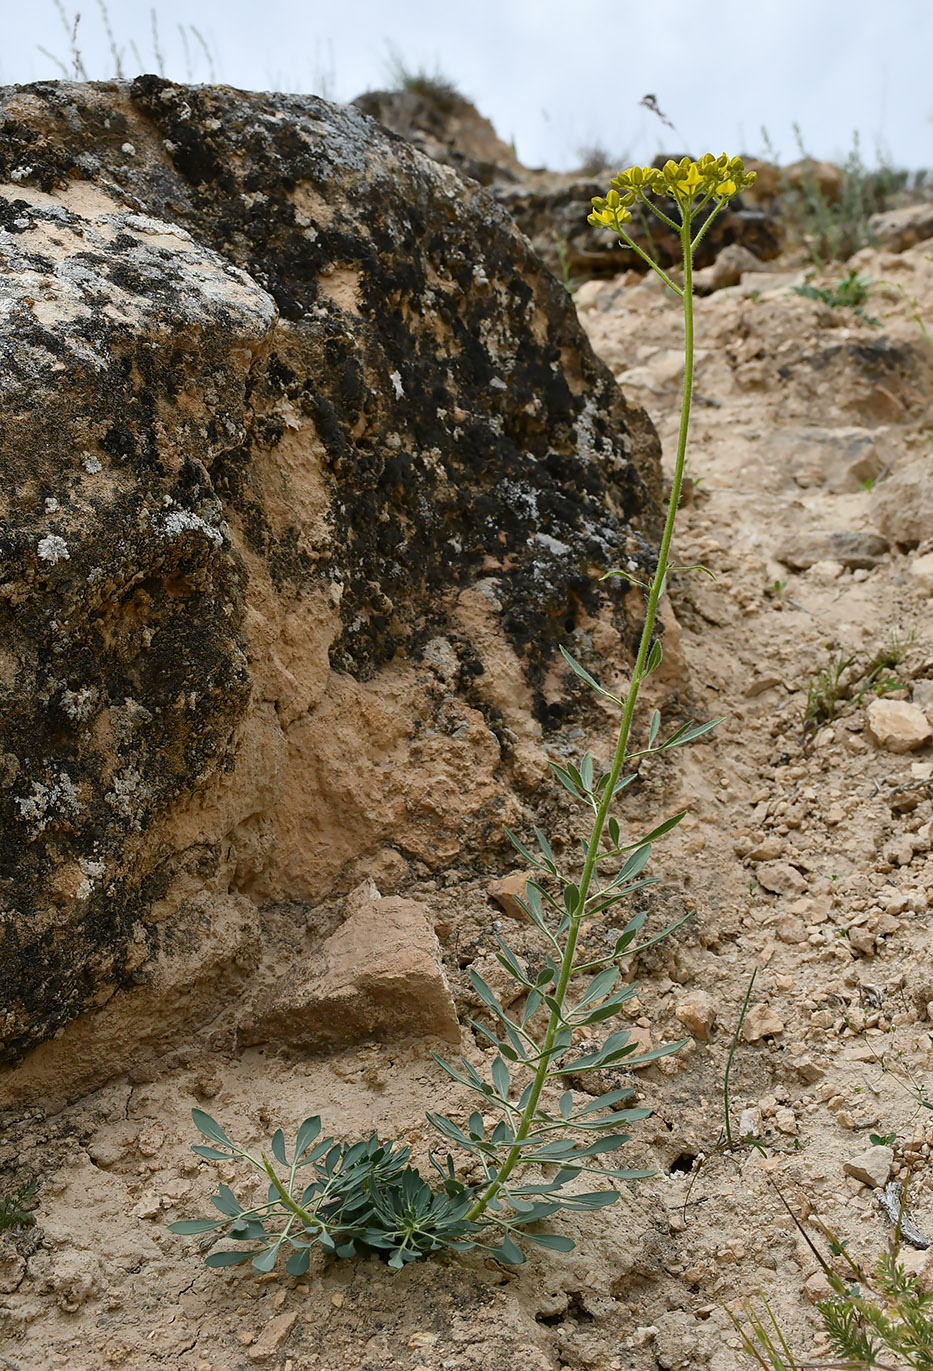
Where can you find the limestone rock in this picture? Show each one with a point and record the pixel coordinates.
(921, 568)
(727, 268)
(697, 1013)
(872, 1167)
(378, 977)
(840, 459)
(898, 726)
(780, 878)
(851, 549)
(899, 229)
(903, 506)
(272, 1336)
(761, 1022)
(277, 390)
(505, 890)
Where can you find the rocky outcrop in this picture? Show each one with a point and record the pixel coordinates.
(552, 207)
(299, 440)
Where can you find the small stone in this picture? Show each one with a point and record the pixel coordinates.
(808, 1070)
(817, 1287)
(780, 878)
(761, 1022)
(760, 685)
(697, 1013)
(769, 850)
(921, 568)
(272, 1337)
(750, 1122)
(785, 1120)
(871, 1167)
(508, 890)
(853, 550)
(792, 930)
(641, 1037)
(863, 940)
(898, 726)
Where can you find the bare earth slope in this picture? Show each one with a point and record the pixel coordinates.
(805, 855)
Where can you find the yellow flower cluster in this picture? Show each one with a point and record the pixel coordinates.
(689, 183)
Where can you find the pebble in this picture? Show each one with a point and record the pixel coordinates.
(507, 892)
(871, 1167)
(780, 878)
(792, 930)
(272, 1337)
(769, 850)
(898, 726)
(761, 1022)
(697, 1013)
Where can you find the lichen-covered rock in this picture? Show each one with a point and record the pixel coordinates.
(280, 396)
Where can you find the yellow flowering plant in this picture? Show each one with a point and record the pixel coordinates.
(531, 1138)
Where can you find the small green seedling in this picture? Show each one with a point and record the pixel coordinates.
(849, 293)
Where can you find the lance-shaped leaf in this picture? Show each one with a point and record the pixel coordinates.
(616, 1046)
(566, 780)
(307, 1133)
(687, 733)
(523, 851)
(655, 1053)
(654, 657)
(278, 1147)
(598, 987)
(584, 675)
(189, 1226)
(545, 847)
(654, 727)
(555, 1241)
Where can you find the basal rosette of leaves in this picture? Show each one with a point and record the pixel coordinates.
(531, 1140)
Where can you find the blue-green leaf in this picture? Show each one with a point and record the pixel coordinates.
(554, 1241)
(298, 1262)
(306, 1135)
(227, 1258)
(654, 727)
(500, 1077)
(278, 1147)
(188, 1226)
(209, 1127)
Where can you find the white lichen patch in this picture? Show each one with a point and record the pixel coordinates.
(92, 874)
(396, 379)
(182, 521)
(49, 801)
(78, 705)
(52, 549)
(91, 464)
(128, 795)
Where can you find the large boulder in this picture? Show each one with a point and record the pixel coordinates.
(307, 467)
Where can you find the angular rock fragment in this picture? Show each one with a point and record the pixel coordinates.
(379, 978)
(897, 725)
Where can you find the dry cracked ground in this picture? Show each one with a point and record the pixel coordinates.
(804, 857)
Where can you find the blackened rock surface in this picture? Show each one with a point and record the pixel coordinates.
(278, 385)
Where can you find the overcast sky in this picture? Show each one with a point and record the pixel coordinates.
(555, 75)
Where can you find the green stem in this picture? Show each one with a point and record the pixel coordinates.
(514, 1155)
